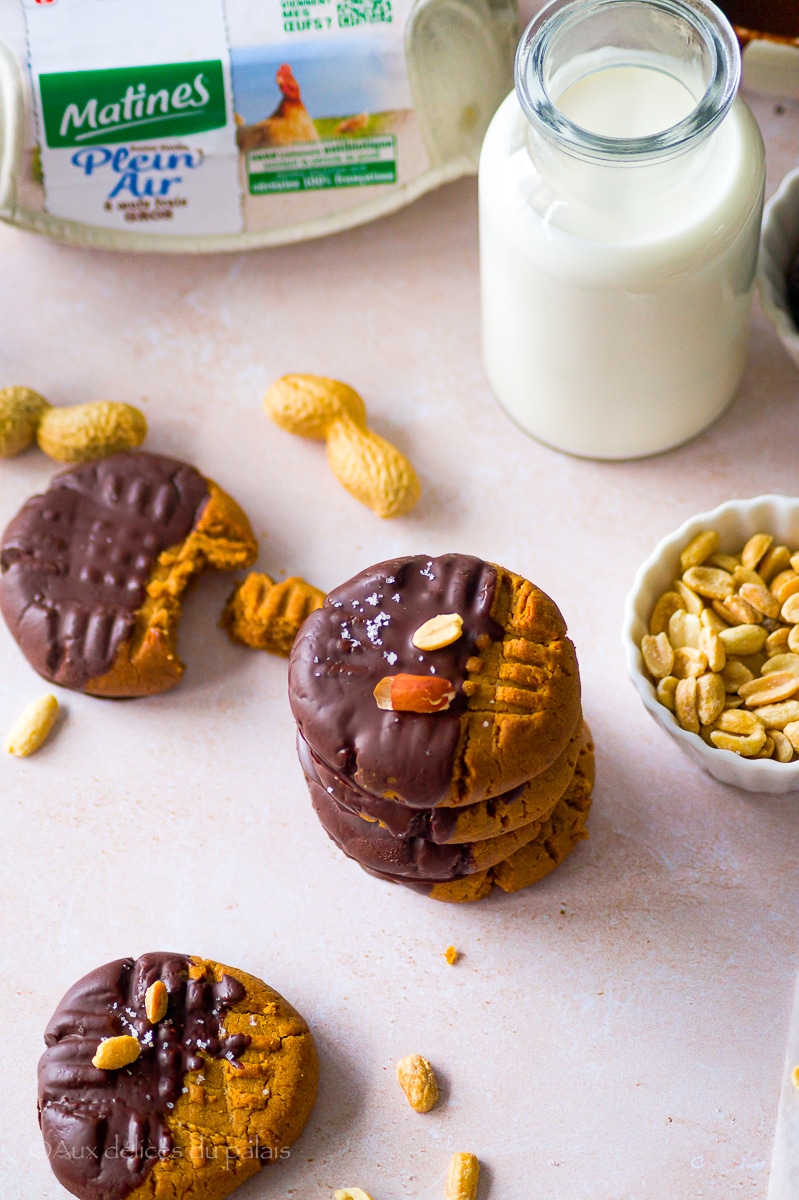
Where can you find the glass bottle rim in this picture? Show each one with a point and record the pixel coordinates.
(558, 16)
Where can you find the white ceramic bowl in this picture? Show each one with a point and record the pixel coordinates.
(735, 522)
(779, 244)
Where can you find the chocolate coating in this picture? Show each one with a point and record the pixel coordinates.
(104, 1130)
(75, 562)
(372, 846)
(363, 633)
(432, 824)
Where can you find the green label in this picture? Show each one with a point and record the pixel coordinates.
(315, 165)
(131, 103)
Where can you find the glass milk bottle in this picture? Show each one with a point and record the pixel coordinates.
(621, 190)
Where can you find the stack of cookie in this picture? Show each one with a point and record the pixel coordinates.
(437, 703)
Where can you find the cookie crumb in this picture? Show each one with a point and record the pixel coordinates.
(451, 955)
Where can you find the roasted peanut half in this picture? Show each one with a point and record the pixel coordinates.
(463, 1177)
(156, 1001)
(116, 1052)
(418, 1081)
(32, 727)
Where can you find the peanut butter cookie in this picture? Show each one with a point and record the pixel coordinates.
(95, 569)
(557, 837)
(486, 819)
(171, 1076)
(505, 693)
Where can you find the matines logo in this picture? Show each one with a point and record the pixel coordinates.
(88, 107)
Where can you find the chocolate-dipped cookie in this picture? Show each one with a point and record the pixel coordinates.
(411, 858)
(486, 819)
(509, 685)
(220, 1079)
(94, 570)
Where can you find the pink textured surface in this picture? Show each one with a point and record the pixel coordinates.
(616, 1033)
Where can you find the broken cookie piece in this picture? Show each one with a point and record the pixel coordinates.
(267, 615)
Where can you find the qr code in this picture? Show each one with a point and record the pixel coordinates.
(363, 12)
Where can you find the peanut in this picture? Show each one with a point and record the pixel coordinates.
(414, 693)
(668, 604)
(784, 585)
(21, 410)
(685, 704)
(684, 630)
(709, 619)
(747, 745)
(723, 647)
(770, 688)
(440, 631)
(418, 1081)
(83, 432)
(758, 596)
(693, 603)
(32, 726)
(727, 562)
(743, 639)
(774, 562)
(783, 750)
(735, 674)
(666, 690)
(463, 1177)
(790, 609)
(156, 1001)
(658, 655)
(711, 646)
(744, 723)
(781, 662)
(710, 697)
(351, 1194)
(699, 548)
(116, 1052)
(778, 716)
(741, 612)
(777, 642)
(709, 581)
(742, 575)
(688, 661)
(755, 548)
(368, 466)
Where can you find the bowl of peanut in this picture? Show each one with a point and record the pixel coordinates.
(711, 634)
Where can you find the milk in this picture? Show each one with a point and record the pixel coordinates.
(626, 102)
(616, 296)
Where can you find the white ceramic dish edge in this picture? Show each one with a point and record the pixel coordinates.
(735, 521)
(779, 243)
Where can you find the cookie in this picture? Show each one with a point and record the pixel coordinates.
(372, 846)
(267, 615)
(555, 838)
(446, 826)
(513, 672)
(94, 570)
(222, 1086)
